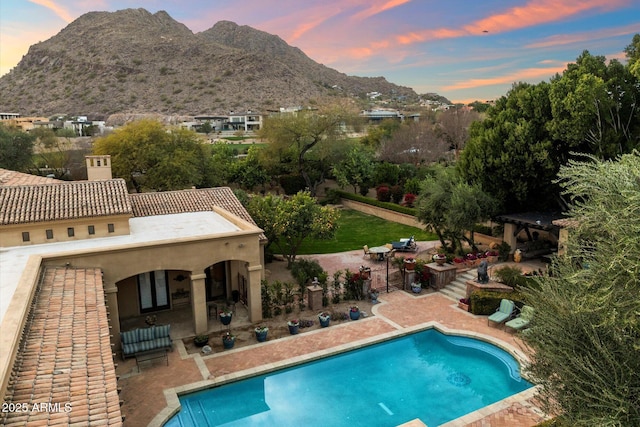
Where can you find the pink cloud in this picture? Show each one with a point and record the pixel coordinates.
(60, 11)
(533, 13)
(565, 39)
(522, 75)
(379, 7)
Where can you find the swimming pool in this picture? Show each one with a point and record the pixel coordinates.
(426, 375)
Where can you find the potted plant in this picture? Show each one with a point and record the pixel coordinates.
(374, 296)
(150, 320)
(225, 316)
(471, 259)
(228, 340)
(492, 256)
(201, 340)
(354, 312)
(324, 319)
(439, 259)
(416, 287)
(365, 272)
(261, 333)
(464, 304)
(293, 326)
(409, 264)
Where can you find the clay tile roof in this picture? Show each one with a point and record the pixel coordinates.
(12, 178)
(64, 200)
(194, 200)
(65, 355)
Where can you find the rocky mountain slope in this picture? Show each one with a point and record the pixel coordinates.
(132, 61)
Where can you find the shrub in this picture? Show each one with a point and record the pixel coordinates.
(383, 194)
(504, 249)
(396, 194)
(409, 199)
(412, 186)
(486, 303)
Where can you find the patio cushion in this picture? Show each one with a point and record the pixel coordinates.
(162, 331)
(129, 337)
(129, 348)
(146, 334)
(146, 345)
(162, 342)
(503, 313)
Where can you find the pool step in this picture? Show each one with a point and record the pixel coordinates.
(458, 288)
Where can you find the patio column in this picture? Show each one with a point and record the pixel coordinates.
(199, 303)
(509, 236)
(254, 297)
(111, 297)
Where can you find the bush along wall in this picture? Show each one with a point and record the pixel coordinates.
(373, 202)
(485, 303)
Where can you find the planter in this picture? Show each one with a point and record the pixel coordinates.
(463, 306)
(354, 315)
(365, 273)
(440, 261)
(261, 334)
(225, 319)
(374, 297)
(293, 328)
(416, 288)
(201, 340)
(491, 259)
(409, 265)
(228, 342)
(324, 321)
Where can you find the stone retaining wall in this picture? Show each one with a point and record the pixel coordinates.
(387, 214)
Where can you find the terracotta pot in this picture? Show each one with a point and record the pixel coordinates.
(409, 266)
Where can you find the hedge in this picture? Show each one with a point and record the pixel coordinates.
(377, 203)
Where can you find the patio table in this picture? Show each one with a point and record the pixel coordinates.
(380, 252)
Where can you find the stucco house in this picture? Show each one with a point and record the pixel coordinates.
(79, 258)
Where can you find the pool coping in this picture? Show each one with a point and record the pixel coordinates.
(172, 395)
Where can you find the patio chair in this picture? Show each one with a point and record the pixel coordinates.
(391, 252)
(503, 313)
(523, 319)
(366, 251)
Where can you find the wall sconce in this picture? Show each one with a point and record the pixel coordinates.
(179, 278)
(241, 245)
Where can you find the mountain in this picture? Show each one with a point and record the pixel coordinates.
(132, 61)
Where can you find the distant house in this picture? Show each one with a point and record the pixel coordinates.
(376, 116)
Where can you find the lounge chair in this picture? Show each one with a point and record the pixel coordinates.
(503, 313)
(523, 319)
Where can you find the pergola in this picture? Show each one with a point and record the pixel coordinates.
(517, 222)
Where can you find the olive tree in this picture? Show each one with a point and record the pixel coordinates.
(585, 335)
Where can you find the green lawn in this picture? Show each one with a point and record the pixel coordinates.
(356, 229)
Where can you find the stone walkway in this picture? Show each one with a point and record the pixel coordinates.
(150, 396)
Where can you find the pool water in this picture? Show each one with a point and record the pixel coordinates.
(426, 375)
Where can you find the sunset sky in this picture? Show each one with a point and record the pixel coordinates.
(463, 49)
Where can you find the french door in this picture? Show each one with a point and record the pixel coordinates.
(153, 291)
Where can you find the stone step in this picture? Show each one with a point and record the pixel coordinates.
(458, 288)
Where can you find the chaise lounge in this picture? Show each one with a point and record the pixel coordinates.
(503, 313)
(523, 319)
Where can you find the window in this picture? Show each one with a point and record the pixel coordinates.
(92, 229)
(71, 232)
(111, 228)
(98, 162)
(25, 236)
(49, 234)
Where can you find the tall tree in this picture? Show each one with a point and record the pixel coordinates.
(299, 138)
(508, 153)
(288, 222)
(16, 148)
(453, 125)
(450, 207)
(356, 169)
(585, 337)
(594, 108)
(150, 156)
(413, 142)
